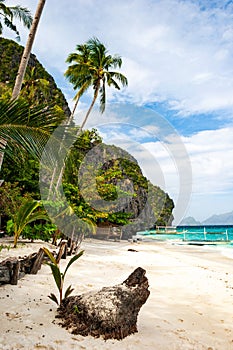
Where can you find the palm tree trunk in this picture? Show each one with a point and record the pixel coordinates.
(24, 62)
(69, 120)
(89, 111)
(27, 50)
(74, 109)
(4, 143)
(79, 132)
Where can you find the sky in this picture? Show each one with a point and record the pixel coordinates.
(176, 115)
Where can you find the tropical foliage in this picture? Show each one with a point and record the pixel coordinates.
(34, 88)
(44, 231)
(9, 13)
(10, 54)
(10, 199)
(24, 128)
(26, 214)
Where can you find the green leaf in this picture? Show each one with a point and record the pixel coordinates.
(24, 128)
(57, 275)
(69, 290)
(50, 255)
(53, 298)
(75, 257)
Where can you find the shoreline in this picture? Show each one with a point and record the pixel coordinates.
(190, 305)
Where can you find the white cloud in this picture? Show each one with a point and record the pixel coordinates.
(172, 50)
(211, 154)
(211, 157)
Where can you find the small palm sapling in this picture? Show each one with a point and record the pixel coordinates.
(59, 276)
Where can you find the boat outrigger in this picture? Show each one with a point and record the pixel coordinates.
(166, 230)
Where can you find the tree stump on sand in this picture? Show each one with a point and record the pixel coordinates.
(110, 312)
(38, 262)
(62, 252)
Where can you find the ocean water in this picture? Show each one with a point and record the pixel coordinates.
(207, 233)
(201, 233)
(220, 237)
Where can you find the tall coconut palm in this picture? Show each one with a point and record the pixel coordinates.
(9, 13)
(23, 63)
(91, 66)
(27, 50)
(79, 73)
(101, 65)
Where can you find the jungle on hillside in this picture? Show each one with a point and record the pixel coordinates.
(40, 108)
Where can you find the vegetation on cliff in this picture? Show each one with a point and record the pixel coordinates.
(115, 192)
(10, 55)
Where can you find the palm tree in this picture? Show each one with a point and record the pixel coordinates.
(9, 13)
(101, 64)
(91, 67)
(27, 50)
(26, 214)
(79, 73)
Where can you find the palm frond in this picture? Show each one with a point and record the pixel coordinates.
(23, 14)
(8, 23)
(120, 77)
(25, 211)
(24, 128)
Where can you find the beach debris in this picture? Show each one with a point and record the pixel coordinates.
(110, 312)
(14, 268)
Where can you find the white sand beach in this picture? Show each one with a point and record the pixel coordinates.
(190, 306)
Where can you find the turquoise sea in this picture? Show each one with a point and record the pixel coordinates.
(218, 237)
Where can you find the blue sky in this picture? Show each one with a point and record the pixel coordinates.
(178, 58)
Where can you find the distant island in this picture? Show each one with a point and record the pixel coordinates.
(216, 219)
(190, 221)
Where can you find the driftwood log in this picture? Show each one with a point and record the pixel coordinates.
(111, 312)
(12, 269)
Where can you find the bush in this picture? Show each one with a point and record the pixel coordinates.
(37, 231)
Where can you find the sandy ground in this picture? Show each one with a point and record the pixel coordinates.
(190, 305)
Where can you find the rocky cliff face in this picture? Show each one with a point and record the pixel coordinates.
(10, 56)
(121, 187)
